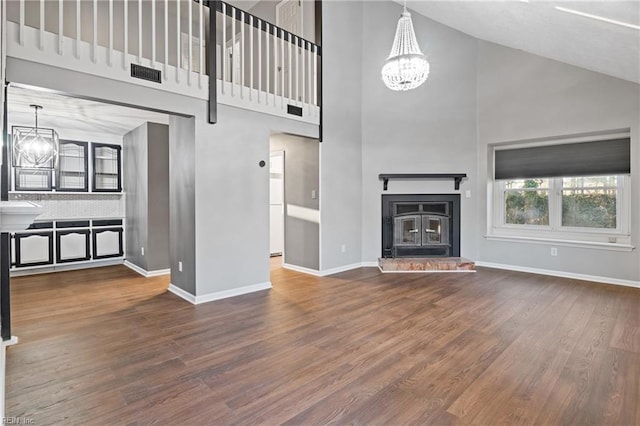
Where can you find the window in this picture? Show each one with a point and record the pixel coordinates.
(561, 205)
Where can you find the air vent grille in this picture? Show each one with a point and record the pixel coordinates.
(294, 110)
(144, 73)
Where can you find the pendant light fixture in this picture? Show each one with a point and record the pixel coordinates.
(34, 147)
(406, 67)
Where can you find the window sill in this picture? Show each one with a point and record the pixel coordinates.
(562, 243)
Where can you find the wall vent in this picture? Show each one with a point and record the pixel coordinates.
(138, 71)
(294, 110)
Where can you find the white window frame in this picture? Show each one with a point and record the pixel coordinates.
(610, 239)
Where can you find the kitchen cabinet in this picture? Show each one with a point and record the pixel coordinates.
(107, 242)
(72, 173)
(72, 245)
(107, 167)
(33, 248)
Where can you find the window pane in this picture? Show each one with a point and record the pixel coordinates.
(589, 208)
(527, 207)
(590, 182)
(527, 183)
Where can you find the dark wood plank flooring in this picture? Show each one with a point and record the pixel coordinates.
(106, 346)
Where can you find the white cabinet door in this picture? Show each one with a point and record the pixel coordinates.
(107, 243)
(73, 246)
(34, 249)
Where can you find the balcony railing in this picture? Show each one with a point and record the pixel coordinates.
(258, 65)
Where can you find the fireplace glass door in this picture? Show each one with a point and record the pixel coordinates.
(436, 230)
(407, 231)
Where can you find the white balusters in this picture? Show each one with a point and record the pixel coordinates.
(303, 52)
(139, 31)
(315, 75)
(267, 53)
(153, 33)
(42, 24)
(125, 35)
(223, 46)
(201, 42)
(178, 43)
(282, 59)
(166, 37)
(110, 32)
(189, 44)
(296, 50)
(95, 31)
(309, 72)
(233, 50)
(250, 56)
(78, 27)
(290, 69)
(259, 59)
(21, 24)
(60, 26)
(242, 54)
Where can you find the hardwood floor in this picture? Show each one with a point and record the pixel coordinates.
(106, 346)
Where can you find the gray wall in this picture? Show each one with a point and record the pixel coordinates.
(301, 177)
(159, 198)
(135, 182)
(182, 214)
(523, 96)
(341, 151)
(431, 129)
(232, 197)
(146, 185)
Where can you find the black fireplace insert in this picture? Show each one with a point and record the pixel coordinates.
(421, 225)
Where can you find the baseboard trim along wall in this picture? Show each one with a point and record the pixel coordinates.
(182, 294)
(561, 274)
(328, 271)
(196, 300)
(144, 272)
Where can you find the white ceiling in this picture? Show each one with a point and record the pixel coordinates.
(537, 27)
(74, 116)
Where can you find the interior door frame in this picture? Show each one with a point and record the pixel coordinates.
(282, 153)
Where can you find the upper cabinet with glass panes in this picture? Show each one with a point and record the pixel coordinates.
(80, 167)
(107, 167)
(72, 173)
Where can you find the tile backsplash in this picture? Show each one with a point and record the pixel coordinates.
(75, 206)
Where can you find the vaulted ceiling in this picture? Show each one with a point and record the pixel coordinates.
(539, 27)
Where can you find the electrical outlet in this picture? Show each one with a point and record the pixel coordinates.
(467, 193)
(314, 194)
(180, 266)
(142, 251)
(343, 248)
(554, 251)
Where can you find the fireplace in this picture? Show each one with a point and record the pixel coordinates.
(421, 225)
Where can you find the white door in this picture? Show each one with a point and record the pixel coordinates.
(276, 202)
(289, 16)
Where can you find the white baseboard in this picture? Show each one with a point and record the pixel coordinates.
(3, 370)
(196, 300)
(182, 294)
(331, 271)
(60, 267)
(561, 274)
(144, 272)
(301, 269)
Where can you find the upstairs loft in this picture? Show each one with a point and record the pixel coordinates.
(165, 45)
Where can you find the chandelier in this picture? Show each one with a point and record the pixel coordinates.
(406, 67)
(34, 147)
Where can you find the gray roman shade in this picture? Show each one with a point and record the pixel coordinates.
(603, 157)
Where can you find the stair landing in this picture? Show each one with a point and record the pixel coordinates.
(426, 264)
